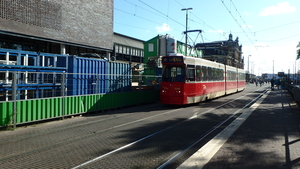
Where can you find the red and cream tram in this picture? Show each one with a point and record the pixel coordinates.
(187, 80)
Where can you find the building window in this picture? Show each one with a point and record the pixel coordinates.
(151, 49)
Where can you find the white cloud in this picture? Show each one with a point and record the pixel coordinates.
(246, 13)
(164, 28)
(266, 58)
(217, 31)
(260, 45)
(283, 7)
(247, 26)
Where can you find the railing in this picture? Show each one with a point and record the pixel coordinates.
(34, 96)
(294, 91)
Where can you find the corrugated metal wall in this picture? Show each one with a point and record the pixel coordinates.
(68, 85)
(83, 74)
(48, 108)
(92, 76)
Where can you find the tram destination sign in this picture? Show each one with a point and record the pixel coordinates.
(281, 74)
(172, 59)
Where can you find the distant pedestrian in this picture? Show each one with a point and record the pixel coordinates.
(272, 84)
(260, 82)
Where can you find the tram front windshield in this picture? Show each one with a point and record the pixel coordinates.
(173, 74)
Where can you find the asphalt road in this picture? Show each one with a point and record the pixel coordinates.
(147, 136)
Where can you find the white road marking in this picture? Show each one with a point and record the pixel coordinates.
(203, 155)
(130, 144)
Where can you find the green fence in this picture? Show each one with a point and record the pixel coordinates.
(41, 109)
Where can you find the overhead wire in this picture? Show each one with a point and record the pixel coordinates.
(242, 18)
(136, 15)
(229, 11)
(203, 23)
(157, 12)
(161, 12)
(167, 16)
(278, 26)
(142, 8)
(133, 26)
(280, 39)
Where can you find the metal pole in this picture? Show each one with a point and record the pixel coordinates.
(186, 27)
(14, 97)
(295, 71)
(273, 69)
(63, 90)
(248, 63)
(298, 72)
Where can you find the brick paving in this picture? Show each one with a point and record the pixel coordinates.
(269, 138)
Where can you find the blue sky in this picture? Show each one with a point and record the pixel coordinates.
(268, 30)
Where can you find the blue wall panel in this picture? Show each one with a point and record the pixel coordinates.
(83, 74)
(119, 79)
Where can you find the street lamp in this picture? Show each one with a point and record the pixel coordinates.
(186, 26)
(252, 67)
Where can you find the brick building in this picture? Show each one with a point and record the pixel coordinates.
(228, 52)
(57, 26)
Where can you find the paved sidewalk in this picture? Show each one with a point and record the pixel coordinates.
(269, 138)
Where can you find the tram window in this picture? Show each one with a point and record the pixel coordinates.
(217, 74)
(234, 76)
(214, 74)
(191, 73)
(173, 74)
(198, 73)
(220, 74)
(204, 73)
(210, 73)
(241, 76)
(228, 75)
(231, 75)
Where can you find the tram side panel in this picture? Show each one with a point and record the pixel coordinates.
(172, 93)
(231, 81)
(212, 83)
(204, 80)
(241, 80)
(201, 80)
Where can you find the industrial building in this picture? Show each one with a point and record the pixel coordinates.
(66, 27)
(40, 36)
(57, 26)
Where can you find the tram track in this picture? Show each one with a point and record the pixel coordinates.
(231, 117)
(178, 154)
(143, 119)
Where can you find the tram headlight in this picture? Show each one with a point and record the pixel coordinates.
(164, 89)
